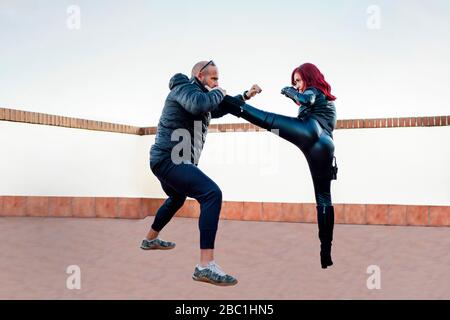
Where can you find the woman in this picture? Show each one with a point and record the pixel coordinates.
(311, 131)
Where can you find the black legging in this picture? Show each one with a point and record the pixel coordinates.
(307, 134)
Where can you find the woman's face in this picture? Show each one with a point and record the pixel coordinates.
(298, 82)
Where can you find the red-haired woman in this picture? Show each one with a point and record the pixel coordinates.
(311, 131)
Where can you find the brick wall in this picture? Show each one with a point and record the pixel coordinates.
(136, 208)
(139, 208)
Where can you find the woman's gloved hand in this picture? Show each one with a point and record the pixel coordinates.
(289, 92)
(307, 98)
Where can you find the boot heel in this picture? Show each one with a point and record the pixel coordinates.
(325, 261)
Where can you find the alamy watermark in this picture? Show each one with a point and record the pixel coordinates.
(73, 21)
(73, 281)
(374, 281)
(233, 150)
(373, 21)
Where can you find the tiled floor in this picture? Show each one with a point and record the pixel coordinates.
(272, 260)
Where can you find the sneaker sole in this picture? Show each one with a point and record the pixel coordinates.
(220, 284)
(157, 248)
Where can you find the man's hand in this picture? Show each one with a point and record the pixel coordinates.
(224, 92)
(254, 90)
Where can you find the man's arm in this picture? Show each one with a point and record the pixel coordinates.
(195, 101)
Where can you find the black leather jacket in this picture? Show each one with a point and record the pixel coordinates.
(314, 103)
(188, 106)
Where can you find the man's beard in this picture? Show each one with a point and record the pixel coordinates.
(204, 82)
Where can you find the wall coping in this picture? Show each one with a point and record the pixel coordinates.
(22, 116)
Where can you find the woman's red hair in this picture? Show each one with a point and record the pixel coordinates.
(312, 77)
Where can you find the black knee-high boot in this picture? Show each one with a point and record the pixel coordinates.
(325, 221)
(253, 115)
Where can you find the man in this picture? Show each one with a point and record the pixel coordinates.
(187, 112)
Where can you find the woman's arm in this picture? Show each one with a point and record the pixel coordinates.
(307, 98)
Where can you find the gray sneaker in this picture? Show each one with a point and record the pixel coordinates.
(213, 274)
(157, 244)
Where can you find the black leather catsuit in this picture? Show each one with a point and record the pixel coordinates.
(311, 131)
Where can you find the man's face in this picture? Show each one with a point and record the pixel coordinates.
(209, 77)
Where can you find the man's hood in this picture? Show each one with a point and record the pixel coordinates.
(178, 79)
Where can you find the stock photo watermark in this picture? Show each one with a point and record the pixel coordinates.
(374, 280)
(73, 21)
(73, 281)
(373, 21)
(263, 153)
(260, 152)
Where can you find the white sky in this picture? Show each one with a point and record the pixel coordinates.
(117, 66)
